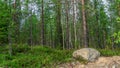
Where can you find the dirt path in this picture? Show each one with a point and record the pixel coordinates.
(102, 62)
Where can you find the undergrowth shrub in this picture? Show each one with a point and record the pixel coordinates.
(37, 56)
(20, 48)
(108, 52)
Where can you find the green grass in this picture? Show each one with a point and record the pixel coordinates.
(37, 57)
(109, 52)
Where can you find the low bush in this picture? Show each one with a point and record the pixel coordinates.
(25, 56)
(35, 57)
(108, 52)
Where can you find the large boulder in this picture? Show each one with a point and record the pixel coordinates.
(88, 54)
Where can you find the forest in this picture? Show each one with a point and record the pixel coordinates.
(57, 26)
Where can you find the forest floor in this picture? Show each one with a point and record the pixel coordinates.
(102, 62)
(24, 56)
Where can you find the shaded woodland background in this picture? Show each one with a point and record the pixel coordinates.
(64, 24)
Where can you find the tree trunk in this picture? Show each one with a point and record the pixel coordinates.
(42, 26)
(59, 37)
(9, 33)
(97, 26)
(84, 25)
(16, 7)
(74, 24)
(31, 32)
(67, 26)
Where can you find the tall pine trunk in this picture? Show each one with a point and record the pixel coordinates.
(74, 24)
(59, 37)
(42, 25)
(16, 19)
(84, 25)
(67, 25)
(9, 32)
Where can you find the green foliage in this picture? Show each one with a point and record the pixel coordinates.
(3, 49)
(117, 37)
(36, 57)
(118, 19)
(20, 48)
(4, 19)
(108, 52)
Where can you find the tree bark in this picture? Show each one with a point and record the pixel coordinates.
(31, 31)
(16, 7)
(74, 24)
(9, 33)
(42, 26)
(67, 26)
(84, 25)
(59, 37)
